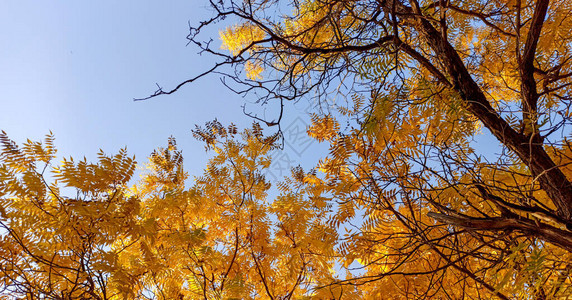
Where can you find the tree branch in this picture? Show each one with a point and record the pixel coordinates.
(532, 153)
(558, 237)
(526, 69)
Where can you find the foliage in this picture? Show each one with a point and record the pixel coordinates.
(408, 202)
(453, 170)
(222, 238)
(61, 225)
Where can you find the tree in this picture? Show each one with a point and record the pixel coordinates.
(241, 244)
(406, 195)
(60, 237)
(422, 79)
(82, 233)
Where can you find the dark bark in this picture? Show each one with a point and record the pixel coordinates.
(526, 69)
(528, 148)
(559, 237)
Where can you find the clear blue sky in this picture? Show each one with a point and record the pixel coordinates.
(74, 67)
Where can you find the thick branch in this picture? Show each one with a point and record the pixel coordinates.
(558, 237)
(513, 210)
(308, 50)
(550, 177)
(322, 49)
(526, 68)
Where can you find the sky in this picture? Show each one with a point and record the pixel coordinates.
(74, 67)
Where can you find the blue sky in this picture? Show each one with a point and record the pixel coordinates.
(74, 67)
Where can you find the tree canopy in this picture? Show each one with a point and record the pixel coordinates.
(410, 202)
